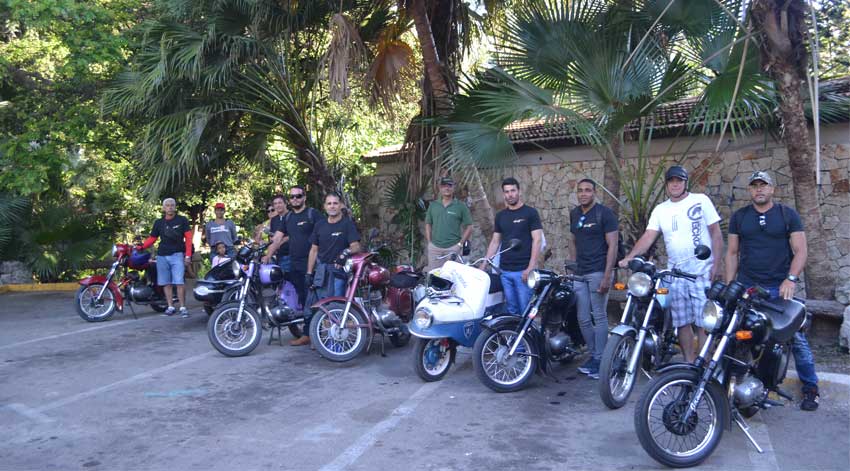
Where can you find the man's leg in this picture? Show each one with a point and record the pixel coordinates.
(585, 324)
(511, 295)
(166, 289)
(433, 254)
(805, 363)
(178, 271)
(599, 313)
(523, 292)
(297, 279)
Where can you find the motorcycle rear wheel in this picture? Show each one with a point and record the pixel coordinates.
(229, 338)
(497, 371)
(615, 384)
(433, 358)
(91, 311)
(335, 342)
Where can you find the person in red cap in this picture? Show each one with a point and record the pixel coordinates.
(220, 230)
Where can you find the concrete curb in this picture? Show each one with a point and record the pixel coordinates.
(833, 384)
(39, 287)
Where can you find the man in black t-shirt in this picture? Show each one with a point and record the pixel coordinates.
(516, 221)
(767, 247)
(275, 226)
(173, 254)
(594, 230)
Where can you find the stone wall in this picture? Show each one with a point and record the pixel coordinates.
(14, 273)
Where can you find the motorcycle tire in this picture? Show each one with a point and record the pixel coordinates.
(209, 309)
(615, 385)
(484, 346)
(228, 338)
(323, 327)
(83, 303)
(658, 388)
(423, 354)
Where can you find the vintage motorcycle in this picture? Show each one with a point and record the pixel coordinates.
(100, 296)
(457, 298)
(645, 337)
(510, 349)
(681, 415)
(220, 279)
(376, 302)
(236, 327)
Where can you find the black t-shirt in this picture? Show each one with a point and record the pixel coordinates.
(589, 230)
(299, 227)
(517, 224)
(170, 233)
(277, 225)
(764, 248)
(332, 239)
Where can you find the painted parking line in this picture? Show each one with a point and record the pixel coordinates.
(761, 461)
(75, 332)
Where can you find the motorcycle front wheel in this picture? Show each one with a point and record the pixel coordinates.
(615, 383)
(432, 358)
(91, 310)
(334, 341)
(495, 368)
(232, 338)
(661, 426)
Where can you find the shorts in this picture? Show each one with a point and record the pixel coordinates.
(687, 300)
(170, 269)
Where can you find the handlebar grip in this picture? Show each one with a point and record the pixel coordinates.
(682, 274)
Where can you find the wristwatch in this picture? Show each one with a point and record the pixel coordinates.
(792, 278)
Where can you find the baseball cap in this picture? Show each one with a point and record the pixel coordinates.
(447, 181)
(219, 205)
(763, 176)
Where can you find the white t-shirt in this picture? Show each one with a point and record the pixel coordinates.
(684, 225)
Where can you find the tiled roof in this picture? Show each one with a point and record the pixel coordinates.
(530, 133)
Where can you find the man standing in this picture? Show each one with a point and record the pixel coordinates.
(686, 220)
(767, 247)
(516, 221)
(173, 254)
(276, 225)
(333, 239)
(443, 224)
(220, 230)
(595, 232)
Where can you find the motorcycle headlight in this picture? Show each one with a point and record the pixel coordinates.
(422, 318)
(640, 284)
(234, 265)
(712, 316)
(533, 280)
(349, 264)
(114, 250)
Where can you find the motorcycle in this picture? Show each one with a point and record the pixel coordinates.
(645, 337)
(376, 302)
(100, 296)
(220, 279)
(681, 415)
(510, 349)
(235, 327)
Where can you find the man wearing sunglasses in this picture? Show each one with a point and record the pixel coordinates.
(767, 247)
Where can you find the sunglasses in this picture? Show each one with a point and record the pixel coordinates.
(762, 222)
(270, 210)
(580, 223)
(296, 196)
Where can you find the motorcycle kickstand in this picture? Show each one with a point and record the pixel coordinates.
(742, 424)
(133, 311)
(648, 376)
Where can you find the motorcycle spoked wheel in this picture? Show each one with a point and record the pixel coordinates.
(433, 358)
(231, 338)
(615, 384)
(660, 425)
(92, 311)
(497, 370)
(336, 342)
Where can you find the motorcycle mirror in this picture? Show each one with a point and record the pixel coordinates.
(467, 248)
(514, 244)
(702, 252)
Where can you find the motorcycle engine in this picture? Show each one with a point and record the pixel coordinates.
(141, 292)
(281, 313)
(559, 343)
(747, 391)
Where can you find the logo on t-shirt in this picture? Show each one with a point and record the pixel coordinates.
(301, 223)
(517, 221)
(336, 234)
(695, 215)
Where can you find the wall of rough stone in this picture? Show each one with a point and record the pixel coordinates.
(14, 273)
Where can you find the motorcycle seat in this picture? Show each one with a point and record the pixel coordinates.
(404, 280)
(786, 317)
(495, 284)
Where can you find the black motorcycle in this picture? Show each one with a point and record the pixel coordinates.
(218, 280)
(235, 327)
(510, 349)
(681, 415)
(645, 338)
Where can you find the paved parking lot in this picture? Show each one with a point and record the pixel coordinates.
(153, 394)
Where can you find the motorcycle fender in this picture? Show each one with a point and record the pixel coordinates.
(323, 306)
(510, 322)
(116, 293)
(623, 330)
(463, 333)
(679, 366)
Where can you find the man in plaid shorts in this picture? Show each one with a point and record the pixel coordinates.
(685, 220)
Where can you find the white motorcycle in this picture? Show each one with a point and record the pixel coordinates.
(449, 312)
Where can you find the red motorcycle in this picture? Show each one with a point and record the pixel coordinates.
(100, 296)
(376, 302)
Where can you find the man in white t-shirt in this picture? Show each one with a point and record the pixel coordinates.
(685, 220)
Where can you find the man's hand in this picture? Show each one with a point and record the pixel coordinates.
(187, 260)
(624, 263)
(525, 274)
(265, 258)
(605, 284)
(787, 289)
(308, 280)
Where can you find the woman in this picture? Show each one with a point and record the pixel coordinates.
(263, 229)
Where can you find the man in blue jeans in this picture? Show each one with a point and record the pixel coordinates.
(516, 221)
(173, 254)
(767, 247)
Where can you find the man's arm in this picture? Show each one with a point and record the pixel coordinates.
(311, 258)
(467, 232)
(571, 246)
(233, 231)
(801, 253)
(277, 240)
(641, 246)
(536, 241)
(491, 249)
(732, 251)
(716, 248)
(427, 232)
(612, 238)
(354, 247)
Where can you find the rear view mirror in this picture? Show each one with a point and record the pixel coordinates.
(702, 252)
(467, 248)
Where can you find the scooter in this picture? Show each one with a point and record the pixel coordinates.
(211, 289)
(459, 295)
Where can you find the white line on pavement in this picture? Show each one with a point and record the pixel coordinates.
(81, 331)
(761, 461)
(29, 413)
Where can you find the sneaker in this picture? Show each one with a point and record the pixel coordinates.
(593, 371)
(810, 399)
(170, 311)
(184, 313)
(587, 366)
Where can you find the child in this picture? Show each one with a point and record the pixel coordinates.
(221, 254)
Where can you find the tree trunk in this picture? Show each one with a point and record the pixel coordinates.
(611, 180)
(784, 55)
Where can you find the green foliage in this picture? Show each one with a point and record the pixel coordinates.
(409, 210)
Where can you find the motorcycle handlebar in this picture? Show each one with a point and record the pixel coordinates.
(681, 274)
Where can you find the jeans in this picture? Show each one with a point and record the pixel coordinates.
(170, 269)
(803, 357)
(297, 279)
(334, 285)
(517, 293)
(285, 263)
(592, 311)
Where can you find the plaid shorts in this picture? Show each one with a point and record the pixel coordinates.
(687, 300)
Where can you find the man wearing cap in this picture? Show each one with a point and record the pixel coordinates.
(686, 220)
(767, 247)
(444, 222)
(220, 230)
